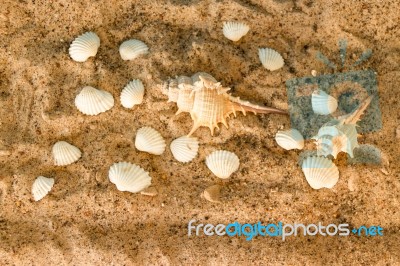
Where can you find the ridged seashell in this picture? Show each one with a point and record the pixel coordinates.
(320, 172)
(132, 49)
(322, 103)
(332, 140)
(290, 139)
(270, 59)
(84, 46)
(150, 140)
(235, 30)
(65, 153)
(212, 193)
(132, 94)
(184, 149)
(222, 163)
(91, 101)
(129, 177)
(41, 187)
(207, 101)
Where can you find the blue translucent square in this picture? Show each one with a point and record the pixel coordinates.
(349, 88)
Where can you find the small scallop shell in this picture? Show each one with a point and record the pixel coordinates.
(91, 101)
(65, 153)
(132, 94)
(235, 30)
(41, 187)
(84, 46)
(132, 49)
(320, 172)
(222, 163)
(290, 139)
(184, 149)
(322, 103)
(149, 140)
(129, 177)
(270, 59)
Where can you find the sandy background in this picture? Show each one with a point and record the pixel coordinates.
(86, 220)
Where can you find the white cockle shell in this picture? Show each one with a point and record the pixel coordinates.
(129, 177)
(41, 187)
(84, 46)
(132, 94)
(65, 153)
(290, 139)
(150, 140)
(132, 49)
(322, 103)
(320, 172)
(91, 101)
(234, 30)
(270, 59)
(184, 149)
(222, 163)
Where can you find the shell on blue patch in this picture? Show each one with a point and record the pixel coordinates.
(320, 172)
(322, 103)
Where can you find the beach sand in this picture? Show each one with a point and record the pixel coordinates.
(85, 220)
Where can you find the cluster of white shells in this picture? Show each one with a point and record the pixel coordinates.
(270, 59)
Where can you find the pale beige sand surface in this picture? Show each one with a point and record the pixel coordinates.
(85, 220)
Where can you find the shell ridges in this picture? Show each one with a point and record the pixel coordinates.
(235, 30)
(129, 177)
(84, 46)
(150, 140)
(41, 187)
(222, 163)
(132, 49)
(270, 59)
(132, 94)
(92, 101)
(184, 149)
(65, 153)
(320, 172)
(290, 139)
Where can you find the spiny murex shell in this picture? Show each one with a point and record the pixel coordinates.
(84, 46)
(207, 101)
(41, 187)
(235, 30)
(340, 134)
(270, 59)
(129, 177)
(222, 163)
(150, 140)
(290, 139)
(322, 103)
(132, 94)
(184, 149)
(91, 101)
(132, 49)
(65, 153)
(320, 172)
